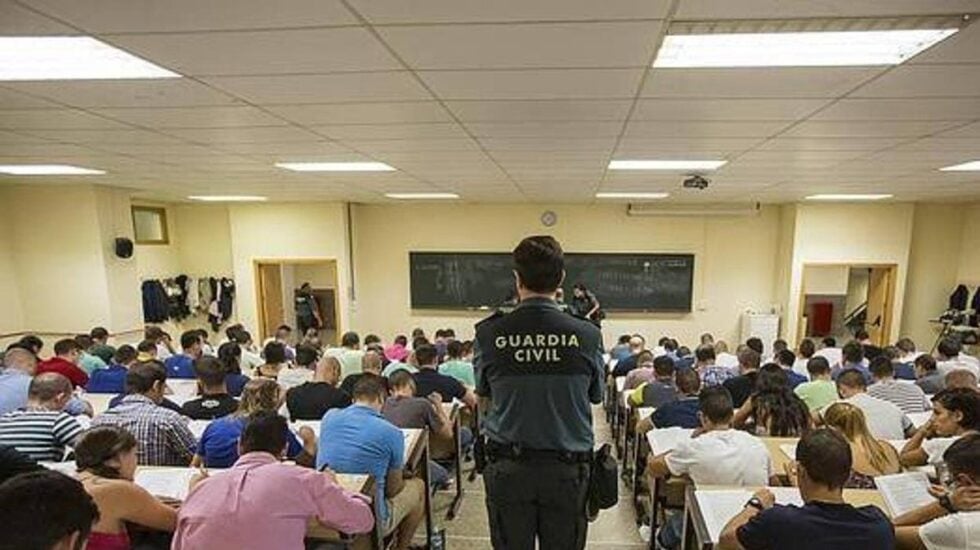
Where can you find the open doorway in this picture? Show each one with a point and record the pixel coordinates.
(283, 299)
(838, 300)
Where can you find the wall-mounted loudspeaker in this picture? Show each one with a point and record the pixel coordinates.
(124, 248)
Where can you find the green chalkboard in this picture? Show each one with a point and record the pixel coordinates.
(621, 282)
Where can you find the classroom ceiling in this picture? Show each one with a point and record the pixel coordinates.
(502, 101)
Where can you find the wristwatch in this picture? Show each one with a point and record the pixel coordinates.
(755, 503)
(947, 503)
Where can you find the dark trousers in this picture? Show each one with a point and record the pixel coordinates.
(543, 499)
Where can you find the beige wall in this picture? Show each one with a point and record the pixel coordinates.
(159, 261)
(969, 254)
(12, 318)
(734, 260)
(203, 240)
(112, 207)
(825, 279)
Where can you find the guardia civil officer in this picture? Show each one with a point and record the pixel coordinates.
(538, 370)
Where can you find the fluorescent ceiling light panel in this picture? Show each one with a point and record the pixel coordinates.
(71, 58)
(796, 49)
(47, 170)
(227, 198)
(849, 197)
(638, 196)
(336, 166)
(972, 166)
(666, 164)
(422, 195)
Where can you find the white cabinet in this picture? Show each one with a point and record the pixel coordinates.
(764, 326)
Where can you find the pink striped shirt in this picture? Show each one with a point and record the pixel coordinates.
(262, 503)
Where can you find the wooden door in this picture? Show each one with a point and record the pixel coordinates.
(272, 312)
(878, 321)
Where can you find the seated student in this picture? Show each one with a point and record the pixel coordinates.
(683, 412)
(396, 366)
(684, 358)
(274, 354)
(659, 391)
(786, 359)
(927, 375)
(358, 440)
(163, 436)
(284, 335)
(823, 463)
(852, 359)
(903, 370)
(113, 378)
(745, 457)
(870, 350)
(146, 351)
(309, 401)
(262, 503)
(642, 374)
(405, 410)
(206, 347)
(955, 413)
(885, 419)
(723, 358)
(218, 447)
(870, 457)
(398, 350)
(100, 346)
(182, 364)
(250, 360)
(773, 409)
(778, 345)
(19, 368)
(106, 461)
(88, 362)
(456, 367)
(953, 520)
(637, 345)
(230, 355)
(42, 430)
(292, 375)
(949, 357)
(829, 351)
(51, 511)
(428, 380)
(162, 340)
(806, 350)
(370, 367)
(14, 463)
(820, 391)
(65, 362)
(741, 387)
(961, 379)
(909, 397)
(907, 348)
(349, 354)
(755, 344)
(622, 348)
(215, 401)
(712, 373)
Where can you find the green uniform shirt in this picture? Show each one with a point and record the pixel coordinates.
(817, 394)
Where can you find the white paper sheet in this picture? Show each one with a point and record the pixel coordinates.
(666, 439)
(166, 482)
(789, 449)
(717, 507)
(904, 492)
(67, 468)
(919, 419)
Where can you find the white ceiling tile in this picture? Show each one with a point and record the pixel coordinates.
(924, 81)
(725, 109)
(289, 151)
(545, 129)
(624, 44)
(962, 47)
(968, 131)
(169, 92)
(47, 150)
(459, 11)
(859, 129)
(791, 9)
(48, 119)
(18, 21)
(548, 144)
(262, 52)
(261, 134)
(902, 109)
(330, 88)
(828, 144)
(19, 137)
(964, 145)
(155, 151)
(534, 84)
(193, 117)
(425, 130)
(364, 113)
(723, 129)
(10, 99)
(529, 111)
(705, 146)
(760, 83)
(409, 145)
(97, 137)
(108, 16)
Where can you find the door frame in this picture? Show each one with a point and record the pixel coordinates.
(889, 317)
(286, 260)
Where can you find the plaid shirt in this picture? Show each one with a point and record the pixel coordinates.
(163, 435)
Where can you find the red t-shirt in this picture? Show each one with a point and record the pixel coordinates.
(68, 369)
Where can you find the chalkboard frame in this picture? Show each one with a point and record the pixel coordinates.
(688, 256)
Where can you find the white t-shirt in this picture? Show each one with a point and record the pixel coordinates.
(729, 457)
(885, 420)
(799, 367)
(960, 531)
(962, 362)
(290, 377)
(727, 360)
(936, 447)
(250, 362)
(832, 355)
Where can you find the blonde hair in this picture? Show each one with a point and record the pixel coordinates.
(259, 394)
(850, 422)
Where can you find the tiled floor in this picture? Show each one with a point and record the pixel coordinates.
(615, 528)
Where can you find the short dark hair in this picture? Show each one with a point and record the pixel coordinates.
(963, 400)
(32, 342)
(786, 357)
(623, 339)
(401, 340)
(817, 365)
(98, 333)
(705, 353)
(807, 348)
(950, 347)
(46, 386)
(284, 328)
(645, 356)
(100, 444)
(882, 367)
(540, 263)
(125, 354)
(663, 366)
(826, 457)
(852, 378)
(350, 339)
(230, 355)
(372, 339)
(925, 362)
(861, 334)
(147, 346)
(688, 381)
(274, 353)
(905, 344)
(891, 352)
(369, 387)
(748, 357)
(401, 378)
(779, 344)
(142, 376)
(853, 352)
(306, 355)
(265, 431)
(426, 354)
(455, 349)
(210, 371)
(716, 404)
(755, 344)
(45, 506)
(829, 342)
(189, 338)
(670, 345)
(963, 456)
(66, 346)
(84, 341)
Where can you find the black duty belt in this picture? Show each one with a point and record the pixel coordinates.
(513, 451)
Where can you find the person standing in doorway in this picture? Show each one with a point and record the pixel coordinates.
(538, 371)
(307, 309)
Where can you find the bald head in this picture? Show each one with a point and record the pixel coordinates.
(371, 362)
(50, 388)
(327, 370)
(21, 360)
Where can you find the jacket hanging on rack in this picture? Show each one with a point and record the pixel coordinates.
(155, 302)
(959, 297)
(974, 320)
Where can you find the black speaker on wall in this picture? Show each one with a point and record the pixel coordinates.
(124, 248)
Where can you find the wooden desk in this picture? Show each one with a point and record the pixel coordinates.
(452, 410)
(779, 458)
(99, 401)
